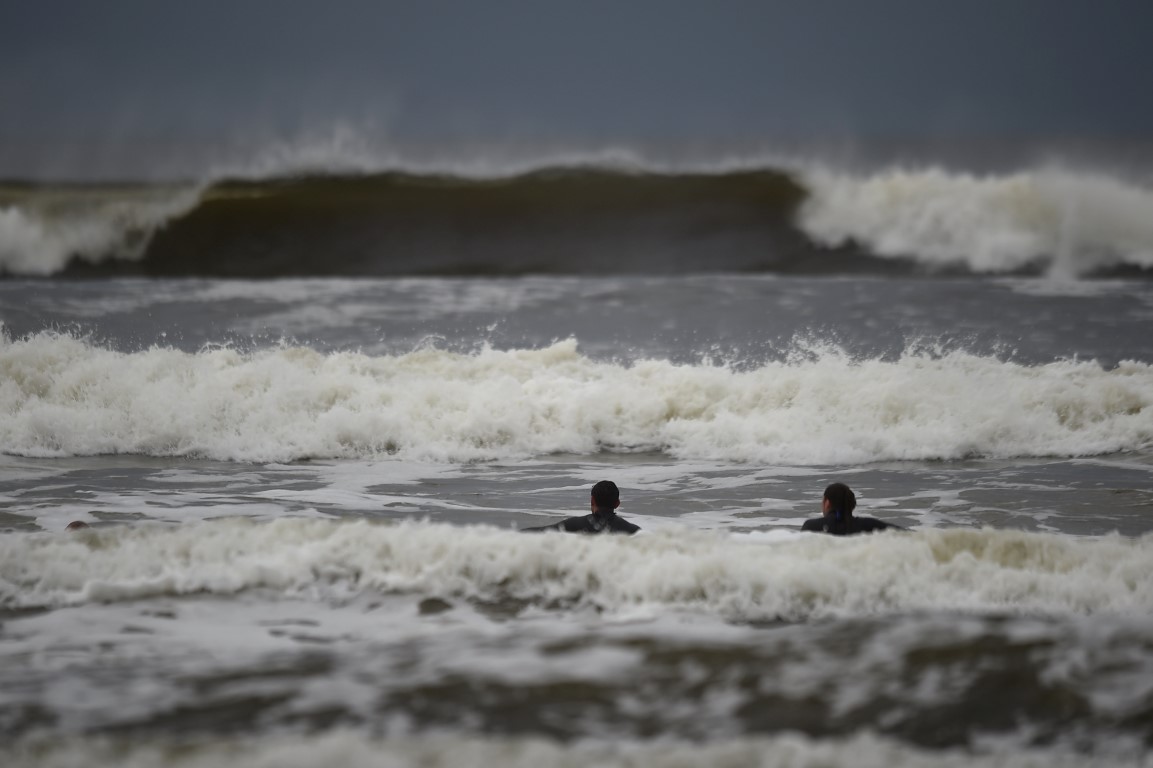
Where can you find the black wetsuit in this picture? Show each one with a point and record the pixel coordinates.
(601, 521)
(856, 525)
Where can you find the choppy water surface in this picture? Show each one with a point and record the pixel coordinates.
(304, 494)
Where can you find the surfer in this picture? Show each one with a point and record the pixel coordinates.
(837, 516)
(605, 499)
(77, 525)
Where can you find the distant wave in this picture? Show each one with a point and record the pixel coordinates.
(44, 230)
(614, 217)
(805, 578)
(1067, 223)
(64, 396)
(553, 220)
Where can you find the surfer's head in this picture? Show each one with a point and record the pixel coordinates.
(606, 495)
(77, 525)
(839, 501)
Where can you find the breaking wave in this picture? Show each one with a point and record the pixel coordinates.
(1066, 223)
(42, 231)
(591, 216)
(64, 396)
(744, 580)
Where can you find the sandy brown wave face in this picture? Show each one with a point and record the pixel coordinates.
(584, 220)
(561, 221)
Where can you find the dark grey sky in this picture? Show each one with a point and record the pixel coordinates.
(81, 77)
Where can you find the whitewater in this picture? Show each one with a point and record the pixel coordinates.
(305, 407)
(67, 397)
(740, 579)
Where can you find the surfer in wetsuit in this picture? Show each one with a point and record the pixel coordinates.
(606, 497)
(837, 515)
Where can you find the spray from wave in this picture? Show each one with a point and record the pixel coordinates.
(339, 204)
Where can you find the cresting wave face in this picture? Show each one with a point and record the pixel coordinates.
(810, 577)
(64, 396)
(548, 220)
(581, 219)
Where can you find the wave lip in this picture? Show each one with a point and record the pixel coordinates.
(64, 396)
(1068, 223)
(811, 577)
(568, 219)
(42, 231)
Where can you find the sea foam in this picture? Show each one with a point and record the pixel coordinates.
(64, 396)
(803, 578)
(348, 748)
(41, 238)
(1071, 223)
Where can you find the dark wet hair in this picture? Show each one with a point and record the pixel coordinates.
(606, 494)
(843, 502)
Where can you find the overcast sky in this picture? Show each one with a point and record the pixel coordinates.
(84, 75)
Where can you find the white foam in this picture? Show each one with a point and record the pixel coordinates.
(740, 578)
(346, 748)
(1070, 222)
(63, 396)
(36, 241)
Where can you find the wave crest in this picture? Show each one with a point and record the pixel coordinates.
(1069, 223)
(805, 578)
(41, 232)
(339, 212)
(65, 396)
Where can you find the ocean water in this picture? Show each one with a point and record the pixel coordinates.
(305, 415)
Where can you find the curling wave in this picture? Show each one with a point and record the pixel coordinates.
(584, 219)
(43, 231)
(550, 220)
